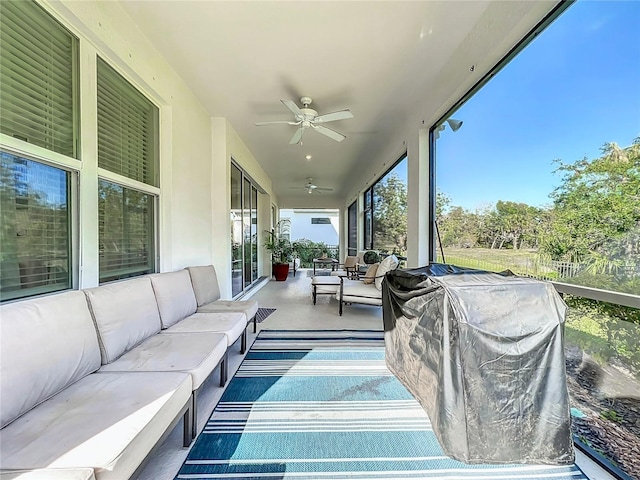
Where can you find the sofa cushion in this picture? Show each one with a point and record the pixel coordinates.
(248, 307)
(205, 284)
(389, 263)
(105, 421)
(195, 354)
(125, 313)
(232, 324)
(369, 276)
(324, 284)
(49, 474)
(358, 292)
(174, 295)
(46, 344)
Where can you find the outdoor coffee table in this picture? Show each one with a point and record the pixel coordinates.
(324, 285)
(325, 261)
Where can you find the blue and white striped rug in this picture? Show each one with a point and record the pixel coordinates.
(322, 405)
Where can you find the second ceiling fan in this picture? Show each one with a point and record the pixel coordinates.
(311, 187)
(306, 117)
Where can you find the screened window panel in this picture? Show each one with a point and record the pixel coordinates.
(35, 228)
(38, 74)
(126, 232)
(352, 227)
(368, 219)
(127, 128)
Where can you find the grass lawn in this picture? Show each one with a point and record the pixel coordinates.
(522, 262)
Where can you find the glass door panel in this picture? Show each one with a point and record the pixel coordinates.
(244, 231)
(236, 231)
(254, 233)
(246, 228)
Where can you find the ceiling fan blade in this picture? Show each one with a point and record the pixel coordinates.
(333, 116)
(324, 189)
(297, 136)
(338, 137)
(287, 122)
(291, 105)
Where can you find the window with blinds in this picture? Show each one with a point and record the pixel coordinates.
(38, 74)
(35, 230)
(125, 229)
(127, 128)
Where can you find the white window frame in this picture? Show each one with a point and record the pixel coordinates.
(84, 170)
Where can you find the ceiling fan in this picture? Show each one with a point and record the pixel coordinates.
(310, 187)
(306, 117)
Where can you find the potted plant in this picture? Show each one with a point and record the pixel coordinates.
(371, 257)
(281, 253)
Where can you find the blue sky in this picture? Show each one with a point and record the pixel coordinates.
(572, 89)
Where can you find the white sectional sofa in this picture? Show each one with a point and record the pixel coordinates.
(91, 381)
(205, 286)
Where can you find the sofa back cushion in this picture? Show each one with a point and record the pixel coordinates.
(174, 295)
(125, 314)
(205, 284)
(46, 344)
(386, 265)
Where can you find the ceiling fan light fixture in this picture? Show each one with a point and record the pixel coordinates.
(308, 157)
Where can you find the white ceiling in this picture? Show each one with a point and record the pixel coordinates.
(394, 64)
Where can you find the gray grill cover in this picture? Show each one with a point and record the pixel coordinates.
(483, 354)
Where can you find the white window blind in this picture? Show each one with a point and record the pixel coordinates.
(35, 228)
(38, 70)
(125, 229)
(127, 128)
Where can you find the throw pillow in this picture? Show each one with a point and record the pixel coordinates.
(386, 265)
(371, 272)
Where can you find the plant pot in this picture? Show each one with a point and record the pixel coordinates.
(280, 271)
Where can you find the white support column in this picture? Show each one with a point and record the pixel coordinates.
(221, 204)
(418, 199)
(88, 184)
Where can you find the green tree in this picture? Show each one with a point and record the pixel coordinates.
(459, 228)
(514, 223)
(390, 215)
(443, 201)
(596, 212)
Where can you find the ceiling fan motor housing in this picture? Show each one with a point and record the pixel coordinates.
(309, 114)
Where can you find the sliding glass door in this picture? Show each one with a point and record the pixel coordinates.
(244, 230)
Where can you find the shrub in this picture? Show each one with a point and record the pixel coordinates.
(370, 257)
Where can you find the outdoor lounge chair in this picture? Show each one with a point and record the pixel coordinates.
(367, 289)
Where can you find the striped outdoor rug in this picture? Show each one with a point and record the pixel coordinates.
(322, 405)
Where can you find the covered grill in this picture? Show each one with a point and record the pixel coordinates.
(483, 354)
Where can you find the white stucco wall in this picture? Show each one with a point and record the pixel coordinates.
(301, 226)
